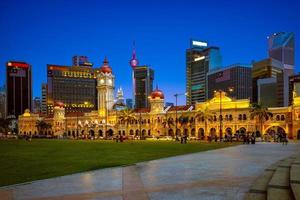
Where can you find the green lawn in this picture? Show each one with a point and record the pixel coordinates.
(22, 161)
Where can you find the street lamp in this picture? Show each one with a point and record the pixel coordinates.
(220, 117)
(176, 97)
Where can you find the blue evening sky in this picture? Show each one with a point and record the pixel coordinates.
(51, 32)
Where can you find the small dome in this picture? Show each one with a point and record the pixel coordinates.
(59, 104)
(157, 94)
(105, 67)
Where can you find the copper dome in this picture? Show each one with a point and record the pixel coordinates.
(105, 67)
(157, 94)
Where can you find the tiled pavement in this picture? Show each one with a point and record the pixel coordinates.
(219, 174)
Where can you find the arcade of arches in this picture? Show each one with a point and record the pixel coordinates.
(235, 119)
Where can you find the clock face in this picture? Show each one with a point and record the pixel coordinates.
(109, 82)
(101, 81)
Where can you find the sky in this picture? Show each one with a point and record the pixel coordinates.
(51, 32)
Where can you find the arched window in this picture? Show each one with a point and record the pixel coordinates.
(215, 118)
(277, 117)
(240, 117)
(282, 117)
(244, 117)
(230, 117)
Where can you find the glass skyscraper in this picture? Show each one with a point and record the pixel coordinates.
(200, 59)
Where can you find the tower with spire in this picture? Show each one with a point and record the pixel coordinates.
(105, 88)
(133, 63)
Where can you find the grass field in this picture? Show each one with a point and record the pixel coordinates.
(22, 161)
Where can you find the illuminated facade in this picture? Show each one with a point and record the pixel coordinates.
(18, 88)
(159, 121)
(200, 59)
(74, 86)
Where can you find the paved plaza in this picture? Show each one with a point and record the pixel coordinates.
(218, 174)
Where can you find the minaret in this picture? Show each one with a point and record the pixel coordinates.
(133, 63)
(105, 87)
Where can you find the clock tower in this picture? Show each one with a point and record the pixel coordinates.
(105, 88)
(157, 101)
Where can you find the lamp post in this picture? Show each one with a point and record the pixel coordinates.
(176, 121)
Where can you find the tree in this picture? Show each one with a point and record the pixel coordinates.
(126, 116)
(42, 125)
(183, 121)
(260, 113)
(205, 115)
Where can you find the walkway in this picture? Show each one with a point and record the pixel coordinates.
(219, 174)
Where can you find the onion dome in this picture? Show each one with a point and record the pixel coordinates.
(157, 94)
(59, 104)
(105, 68)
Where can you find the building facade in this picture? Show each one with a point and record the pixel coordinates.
(36, 105)
(44, 99)
(3, 102)
(268, 83)
(200, 59)
(281, 47)
(75, 86)
(143, 80)
(159, 121)
(18, 88)
(236, 80)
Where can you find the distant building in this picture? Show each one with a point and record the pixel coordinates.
(143, 76)
(294, 87)
(19, 87)
(267, 83)
(129, 103)
(81, 61)
(281, 47)
(3, 102)
(169, 104)
(235, 80)
(44, 99)
(36, 106)
(75, 86)
(200, 59)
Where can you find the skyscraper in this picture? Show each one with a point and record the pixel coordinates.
(143, 76)
(44, 99)
(81, 61)
(3, 102)
(36, 106)
(19, 87)
(267, 83)
(235, 80)
(129, 103)
(75, 86)
(281, 47)
(200, 59)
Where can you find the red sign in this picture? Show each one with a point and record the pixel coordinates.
(18, 64)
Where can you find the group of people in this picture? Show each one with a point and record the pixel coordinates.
(247, 138)
(283, 138)
(120, 138)
(183, 139)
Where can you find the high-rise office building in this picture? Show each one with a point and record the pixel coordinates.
(129, 103)
(235, 80)
(267, 83)
(36, 106)
(294, 87)
(281, 47)
(200, 59)
(75, 86)
(143, 77)
(19, 87)
(44, 99)
(3, 102)
(82, 61)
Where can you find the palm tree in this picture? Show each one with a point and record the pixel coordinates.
(260, 113)
(183, 121)
(205, 115)
(126, 116)
(42, 125)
